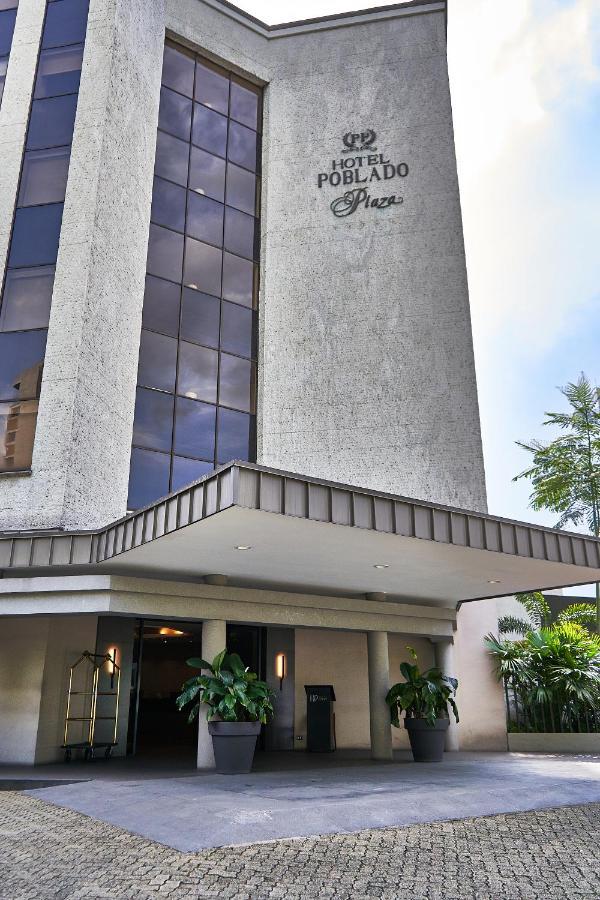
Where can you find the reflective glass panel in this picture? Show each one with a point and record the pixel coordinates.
(21, 362)
(178, 71)
(197, 372)
(209, 130)
(17, 433)
(27, 298)
(153, 420)
(51, 122)
(36, 232)
(240, 233)
(44, 176)
(65, 23)
(9, 4)
(238, 279)
(7, 27)
(244, 105)
(148, 477)
(202, 269)
(161, 306)
(207, 174)
(3, 68)
(194, 428)
(59, 72)
(158, 361)
(185, 471)
(241, 189)
(236, 383)
(212, 87)
(237, 328)
(205, 219)
(172, 156)
(200, 318)
(165, 253)
(168, 204)
(241, 148)
(233, 439)
(175, 114)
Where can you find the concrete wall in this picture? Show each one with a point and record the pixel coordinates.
(280, 733)
(554, 743)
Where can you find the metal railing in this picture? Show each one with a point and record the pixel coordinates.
(525, 713)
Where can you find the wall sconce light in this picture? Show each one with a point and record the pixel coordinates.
(111, 662)
(280, 668)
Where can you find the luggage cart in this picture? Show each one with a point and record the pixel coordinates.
(95, 661)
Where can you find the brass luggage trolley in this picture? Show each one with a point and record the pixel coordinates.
(95, 661)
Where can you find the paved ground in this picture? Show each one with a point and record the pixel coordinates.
(194, 812)
(48, 852)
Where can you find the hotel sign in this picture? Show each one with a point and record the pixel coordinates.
(366, 167)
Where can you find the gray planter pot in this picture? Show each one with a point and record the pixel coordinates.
(427, 741)
(234, 744)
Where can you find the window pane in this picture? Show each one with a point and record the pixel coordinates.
(205, 219)
(238, 279)
(234, 436)
(21, 361)
(35, 236)
(168, 204)
(197, 373)
(237, 327)
(7, 27)
(200, 318)
(185, 471)
(212, 87)
(65, 23)
(9, 4)
(194, 428)
(244, 105)
(209, 130)
(178, 71)
(44, 176)
(161, 306)
(236, 382)
(158, 361)
(17, 434)
(3, 68)
(153, 421)
(202, 269)
(242, 146)
(207, 174)
(241, 189)
(172, 157)
(58, 72)
(148, 477)
(175, 114)
(165, 253)
(27, 298)
(240, 233)
(51, 121)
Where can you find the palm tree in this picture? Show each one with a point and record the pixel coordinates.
(565, 473)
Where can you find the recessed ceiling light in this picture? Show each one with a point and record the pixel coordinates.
(381, 566)
(242, 547)
(491, 581)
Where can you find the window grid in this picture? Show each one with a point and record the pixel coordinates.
(8, 15)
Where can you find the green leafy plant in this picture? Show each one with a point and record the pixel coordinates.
(537, 611)
(423, 695)
(229, 689)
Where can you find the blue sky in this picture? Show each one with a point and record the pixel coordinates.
(525, 81)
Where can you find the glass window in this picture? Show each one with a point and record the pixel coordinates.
(65, 23)
(172, 156)
(44, 176)
(205, 219)
(175, 114)
(153, 420)
(26, 299)
(237, 329)
(233, 440)
(21, 362)
(207, 174)
(17, 432)
(36, 232)
(244, 105)
(158, 361)
(212, 87)
(148, 477)
(59, 72)
(194, 428)
(168, 204)
(202, 268)
(241, 189)
(238, 279)
(200, 318)
(161, 306)
(241, 147)
(3, 68)
(7, 27)
(51, 121)
(185, 471)
(178, 71)
(9, 4)
(165, 253)
(236, 382)
(209, 130)
(240, 233)
(197, 372)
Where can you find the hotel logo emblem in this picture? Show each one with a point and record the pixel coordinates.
(356, 142)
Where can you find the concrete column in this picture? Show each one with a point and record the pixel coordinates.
(443, 649)
(214, 638)
(379, 684)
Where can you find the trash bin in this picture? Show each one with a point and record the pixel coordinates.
(320, 718)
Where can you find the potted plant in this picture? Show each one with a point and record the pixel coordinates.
(238, 704)
(424, 697)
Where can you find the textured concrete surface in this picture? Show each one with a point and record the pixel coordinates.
(549, 855)
(207, 810)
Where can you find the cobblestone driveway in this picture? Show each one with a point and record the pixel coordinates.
(49, 852)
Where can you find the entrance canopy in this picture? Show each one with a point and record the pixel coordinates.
(266, 528)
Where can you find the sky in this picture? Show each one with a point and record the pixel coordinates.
(525, 84)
